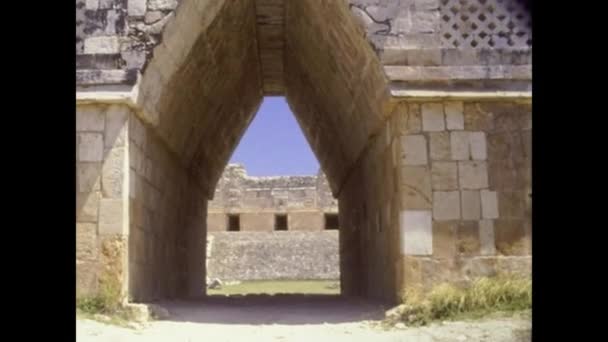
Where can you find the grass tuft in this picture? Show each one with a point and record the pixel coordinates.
(503, 293)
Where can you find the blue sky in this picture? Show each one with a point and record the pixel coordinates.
(274, 144)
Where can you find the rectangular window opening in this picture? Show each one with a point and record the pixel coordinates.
(280, 222)
(332, 222)
(234, 223)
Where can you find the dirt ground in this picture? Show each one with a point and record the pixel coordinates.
(295, 318)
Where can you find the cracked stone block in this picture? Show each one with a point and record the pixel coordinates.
(446, 205)
(432, 117)
(486, 237)
(440, 146)
(471, 205)
(477, 141)
(444, 176)
(101, 45)
(454, 115)
(489, 204)
(459, 143)
(413, 149)
(473, 175)
(416, 232)
(90, 147)
(415, 187)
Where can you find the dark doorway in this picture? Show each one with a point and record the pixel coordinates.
(234, 223)
(280, 222)
(331, 222)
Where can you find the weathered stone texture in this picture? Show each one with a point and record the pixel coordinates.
(273, 255)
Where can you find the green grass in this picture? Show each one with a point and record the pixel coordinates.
(279, 287)
(504, 294)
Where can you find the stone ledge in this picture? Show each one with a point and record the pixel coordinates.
(426, 95)
(98, 61)
(456, 73)
(102, 77)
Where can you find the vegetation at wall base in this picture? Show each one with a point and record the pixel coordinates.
(506, 293)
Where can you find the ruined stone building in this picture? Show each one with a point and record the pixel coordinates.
(418, 111)
(245, 203)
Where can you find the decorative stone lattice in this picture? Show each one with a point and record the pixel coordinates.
(485, 24)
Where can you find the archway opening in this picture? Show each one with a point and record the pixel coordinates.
(200, 92)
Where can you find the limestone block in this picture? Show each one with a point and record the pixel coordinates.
(87, 206)
(477, 141)
(486, 237)
(425, 21)
(454, 115)
(471, 205)
(459, 143)
(88, 176)
(510, 237)
(153, 16)
(111, 216)
(413, 120)
(89, 119)
(86, 241)
(426, 5)
(446, 205)
(101, 45)
(477, 119)
(132, 183)
(162, 4)
(489, 204)
(136, 8)
(416, 232)
(415, 187)
(113, 173)
(440, 146)
(432, 117)
(473, 175)
(86, 278)
(93, 5)
(413, 149)
(511, 204)
(90, 147)
(444, 239)
(116, 126)
(444, 175)
(467, 238)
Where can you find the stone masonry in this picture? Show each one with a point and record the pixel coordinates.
(303, 201)
(419, 112)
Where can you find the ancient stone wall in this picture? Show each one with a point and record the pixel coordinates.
(465, 183)
(273, 255)
(257, 200)
(101, 207)
(167, 220)
(131, 192)
(424, 101)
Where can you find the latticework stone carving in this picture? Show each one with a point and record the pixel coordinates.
(485, 24)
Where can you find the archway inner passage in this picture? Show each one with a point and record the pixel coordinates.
(199, 93)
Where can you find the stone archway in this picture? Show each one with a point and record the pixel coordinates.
(411, 140)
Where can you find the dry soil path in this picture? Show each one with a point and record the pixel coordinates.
(295, 319)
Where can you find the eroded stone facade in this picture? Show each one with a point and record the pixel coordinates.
(303, 201)
(418, 111)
